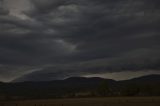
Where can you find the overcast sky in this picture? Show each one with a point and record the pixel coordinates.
(56, 39)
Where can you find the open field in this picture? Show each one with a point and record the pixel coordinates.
(110, 101)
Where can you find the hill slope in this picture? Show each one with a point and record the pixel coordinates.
(86, 86)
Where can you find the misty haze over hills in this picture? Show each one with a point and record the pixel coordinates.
(50, 76)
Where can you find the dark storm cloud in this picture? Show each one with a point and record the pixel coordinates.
(82, 36)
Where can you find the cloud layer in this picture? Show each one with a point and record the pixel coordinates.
(78, 37)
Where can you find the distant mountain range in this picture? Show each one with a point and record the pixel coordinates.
(148, 78)
(73, 85)
(145, 79)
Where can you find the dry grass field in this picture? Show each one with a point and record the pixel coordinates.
(110, 101)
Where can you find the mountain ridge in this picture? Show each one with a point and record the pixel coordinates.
(94, 86)
(145, 77)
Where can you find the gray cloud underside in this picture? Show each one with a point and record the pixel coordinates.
(75, 37)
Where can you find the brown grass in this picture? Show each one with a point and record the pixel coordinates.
(109, 101)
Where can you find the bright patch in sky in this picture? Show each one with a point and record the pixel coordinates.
(18, 8)
(123, 75)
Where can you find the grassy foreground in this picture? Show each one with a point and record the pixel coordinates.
(108, 101)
